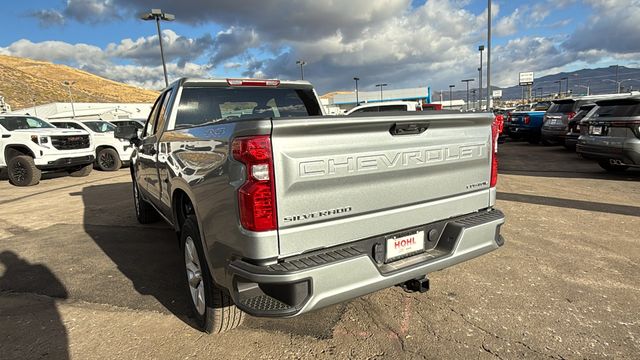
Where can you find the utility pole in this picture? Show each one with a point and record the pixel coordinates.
(481, 49)
(559, 82)
(301, 63)
(467, 81)
(381, 86)
(69, 84)
(357, 100)
(488, 55)
(450, 96)
(157, 15)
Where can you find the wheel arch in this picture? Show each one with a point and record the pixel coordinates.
(13, 150)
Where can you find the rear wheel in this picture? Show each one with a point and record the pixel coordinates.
(22, 171)
(212, 308)
(82, 171)
(145, 213)
(607, 165)
(108, 160)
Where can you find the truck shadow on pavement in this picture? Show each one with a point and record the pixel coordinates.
(30, 326)
(571, 204)
(149, 257)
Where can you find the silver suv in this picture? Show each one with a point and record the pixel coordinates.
(610, 134)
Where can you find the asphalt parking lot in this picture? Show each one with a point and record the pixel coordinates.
(79, 278)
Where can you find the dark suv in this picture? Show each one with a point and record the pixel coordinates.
(611, 134)
(556, 120)
(571, 138)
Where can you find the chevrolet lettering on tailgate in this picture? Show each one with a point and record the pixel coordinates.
(350, 164)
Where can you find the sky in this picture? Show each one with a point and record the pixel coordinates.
(404, 43)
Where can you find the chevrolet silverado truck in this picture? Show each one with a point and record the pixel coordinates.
(29, 146)
(280, 210)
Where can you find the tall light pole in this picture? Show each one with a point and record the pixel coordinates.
(488, 55)
(617, 67)
(381, 86)
(566, 78)
(481, 49)
(157, 15)
(559, 82)
(357, 100)
(467, 81)
(69, 84)
(588, 87)
(540, 88)
(450, 95)
(301, 63)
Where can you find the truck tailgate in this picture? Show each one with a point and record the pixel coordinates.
(343, 179)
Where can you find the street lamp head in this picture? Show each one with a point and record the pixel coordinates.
(147, 16)
(467, 80)
(356, 78)
(301, 62)
(452, 86)
(481, 47)
(168, 17)
(156, 12)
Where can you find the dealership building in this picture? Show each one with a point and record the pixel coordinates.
(89, 111)
(346, 100)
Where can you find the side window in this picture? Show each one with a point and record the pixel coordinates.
(162, 115)
(74, 126)
(153, 115)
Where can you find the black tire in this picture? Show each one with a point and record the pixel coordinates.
(145, 213)
(22, 171)
(605, 164)
(219, 314)
(82, 171)
(107, 159)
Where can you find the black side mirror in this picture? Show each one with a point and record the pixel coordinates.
(127, 132)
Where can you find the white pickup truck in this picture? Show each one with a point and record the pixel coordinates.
(29, 146)
(110, 153)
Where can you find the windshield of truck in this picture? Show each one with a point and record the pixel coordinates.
(201, 105)
(564, 107)
(100, 126)
(12, 123)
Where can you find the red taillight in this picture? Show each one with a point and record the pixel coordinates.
(256, 197)
(500, 122)
(252, 82)
(527, 119)
(494, 154)
(571, 115)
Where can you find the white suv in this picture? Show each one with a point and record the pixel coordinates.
(110, 152)
(29, 146)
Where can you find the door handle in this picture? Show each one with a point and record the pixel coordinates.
(409, 128)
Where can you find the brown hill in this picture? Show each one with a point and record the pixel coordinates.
(24, 82)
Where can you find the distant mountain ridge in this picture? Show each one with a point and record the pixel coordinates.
(25, 82)
(596, 79)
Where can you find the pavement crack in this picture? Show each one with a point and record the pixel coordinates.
(528, 347)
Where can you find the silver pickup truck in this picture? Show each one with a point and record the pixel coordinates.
(281, 210)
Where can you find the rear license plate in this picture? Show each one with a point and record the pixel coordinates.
(399, 247)
(595, 130)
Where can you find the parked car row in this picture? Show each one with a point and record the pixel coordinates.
(30, 146)
(605, 128)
